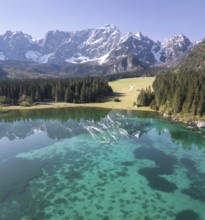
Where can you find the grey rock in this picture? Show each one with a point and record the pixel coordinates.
(104, 46)
(201, 124)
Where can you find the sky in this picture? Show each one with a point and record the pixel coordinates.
(157, 19)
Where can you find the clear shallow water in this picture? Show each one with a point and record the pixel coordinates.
(99, 164)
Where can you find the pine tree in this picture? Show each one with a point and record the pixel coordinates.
(37, 95)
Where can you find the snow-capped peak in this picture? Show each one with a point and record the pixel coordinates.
(124, 37)
(175, 38)
(101, 45)
(9, 35)
(139, 35)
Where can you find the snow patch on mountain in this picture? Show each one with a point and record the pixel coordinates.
(124, 37)
(37, 57)
(138, 35)
(33, 55)
(103, 59)
(79, 58)
(45, 58)
(157, 52)
(92, 40)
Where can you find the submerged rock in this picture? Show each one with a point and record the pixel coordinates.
(187, 215)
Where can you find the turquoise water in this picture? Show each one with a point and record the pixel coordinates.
(90, 164)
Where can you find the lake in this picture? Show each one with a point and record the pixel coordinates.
(90, 164)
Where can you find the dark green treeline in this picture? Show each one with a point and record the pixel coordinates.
(145, 97)
(176, 91)
(180, 91)
(59, 90)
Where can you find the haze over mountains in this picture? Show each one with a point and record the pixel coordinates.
(104, 49)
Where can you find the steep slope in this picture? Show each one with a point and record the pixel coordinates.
(105, 49)
(92, 45)
(137, 45)
(15, 45)
(182, 90)
(195, 58)
(174, 48)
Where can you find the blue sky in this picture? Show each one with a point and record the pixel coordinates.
(156, 19)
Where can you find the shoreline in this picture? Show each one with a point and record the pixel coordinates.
(58, 105)
(189, 120)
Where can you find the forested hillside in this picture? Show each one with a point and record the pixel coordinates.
(195, 58)
(59, 90)
(183, 90)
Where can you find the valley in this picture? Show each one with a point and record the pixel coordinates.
(102, 110)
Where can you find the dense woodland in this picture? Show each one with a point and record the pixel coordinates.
(181, 90)
(84, 90)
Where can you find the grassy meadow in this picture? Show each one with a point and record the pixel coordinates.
(126, 90)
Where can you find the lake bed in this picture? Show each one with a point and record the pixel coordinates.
(89, 163)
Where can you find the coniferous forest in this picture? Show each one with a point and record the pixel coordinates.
(81, 90)
(181, 90)
(145, 97)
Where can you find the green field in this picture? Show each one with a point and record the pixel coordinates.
(129, 90)
(126, 90)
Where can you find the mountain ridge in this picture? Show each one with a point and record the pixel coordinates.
(105, 46)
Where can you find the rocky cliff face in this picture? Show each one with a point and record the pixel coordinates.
(174, 48)
(102, 46)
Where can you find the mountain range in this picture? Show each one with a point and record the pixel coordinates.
(104, 50)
